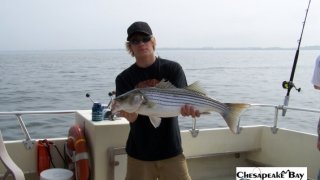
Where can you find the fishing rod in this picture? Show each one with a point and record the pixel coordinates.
(289, 84)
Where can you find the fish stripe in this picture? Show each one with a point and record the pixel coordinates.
(175, 97)
(182, 96)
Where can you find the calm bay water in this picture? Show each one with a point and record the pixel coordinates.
(59, 80)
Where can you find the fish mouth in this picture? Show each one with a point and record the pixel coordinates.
(115, 107)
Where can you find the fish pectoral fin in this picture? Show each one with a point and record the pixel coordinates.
(155, 121)
(150, 104)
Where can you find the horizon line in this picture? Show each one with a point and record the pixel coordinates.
(316, 47)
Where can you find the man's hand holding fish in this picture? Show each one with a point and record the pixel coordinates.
(188, 110)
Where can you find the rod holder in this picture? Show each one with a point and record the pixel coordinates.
(28, 143)
(194, 132)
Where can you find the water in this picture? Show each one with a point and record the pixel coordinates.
(59, 80)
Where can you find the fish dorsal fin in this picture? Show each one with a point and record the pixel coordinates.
(196, 87)
(163, 84)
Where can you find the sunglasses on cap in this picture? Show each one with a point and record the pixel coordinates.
(137, 41)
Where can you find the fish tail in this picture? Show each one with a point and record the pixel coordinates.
(232, 116)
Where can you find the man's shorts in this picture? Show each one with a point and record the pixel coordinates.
(174, 168)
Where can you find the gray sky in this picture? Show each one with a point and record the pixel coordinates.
(101, 24)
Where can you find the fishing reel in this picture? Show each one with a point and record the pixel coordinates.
(289, 85)
(107, 114)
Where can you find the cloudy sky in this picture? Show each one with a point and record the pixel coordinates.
(102, 24)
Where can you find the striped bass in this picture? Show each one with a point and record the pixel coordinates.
(165, 100)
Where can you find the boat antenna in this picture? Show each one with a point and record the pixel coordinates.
(289, 84)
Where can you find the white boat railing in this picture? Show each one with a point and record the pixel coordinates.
(274, 129)
(29, 142)
(194, 132)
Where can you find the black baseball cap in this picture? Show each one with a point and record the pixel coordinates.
(138, 27)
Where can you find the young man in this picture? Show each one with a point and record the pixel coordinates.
(154, 152)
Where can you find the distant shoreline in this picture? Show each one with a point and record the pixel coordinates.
(179, 48)
(244, 48)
